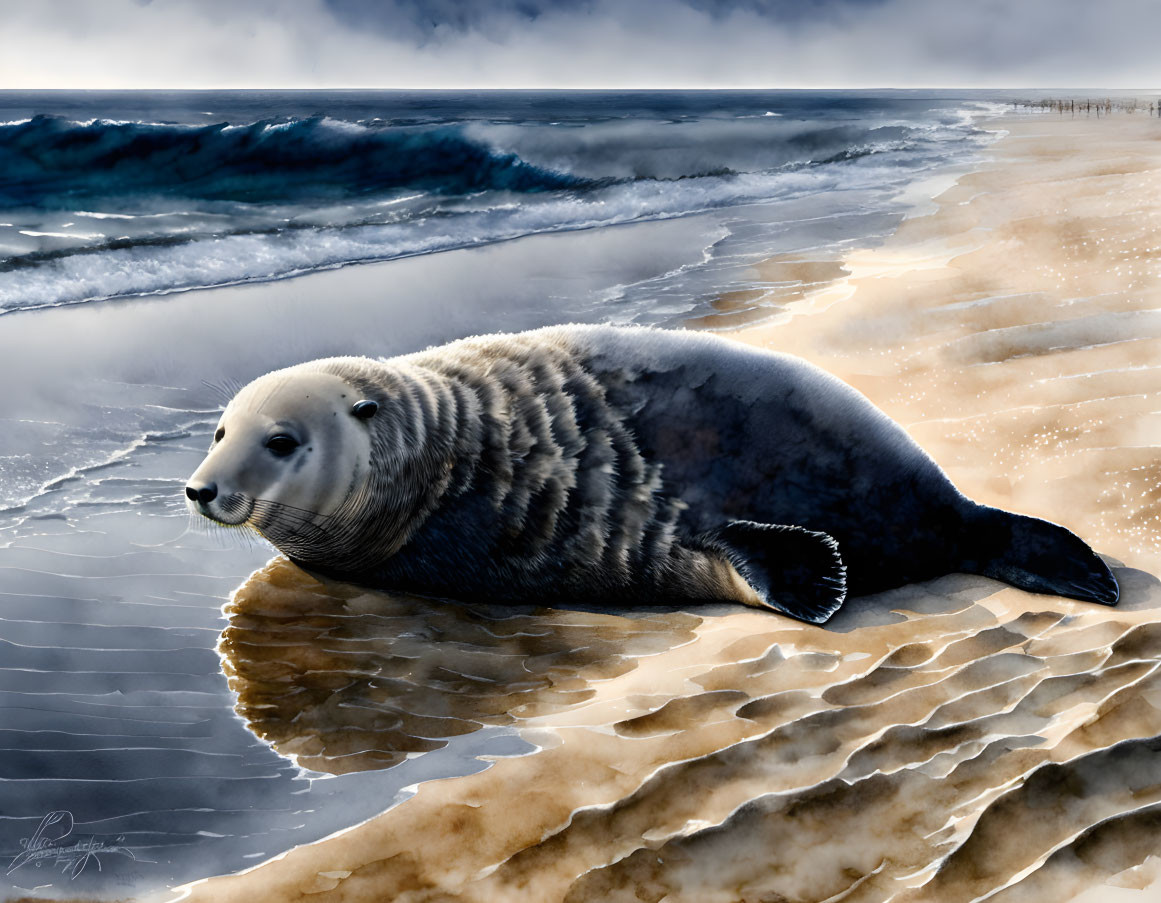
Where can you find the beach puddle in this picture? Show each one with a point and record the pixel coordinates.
(783, 280)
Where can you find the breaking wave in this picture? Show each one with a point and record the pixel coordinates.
(49, 161)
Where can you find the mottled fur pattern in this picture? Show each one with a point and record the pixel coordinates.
(501, 469)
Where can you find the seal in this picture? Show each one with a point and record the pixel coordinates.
(611, 466)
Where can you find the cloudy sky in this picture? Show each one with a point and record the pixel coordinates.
(579, 43)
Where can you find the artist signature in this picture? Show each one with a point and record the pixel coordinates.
(52, 844)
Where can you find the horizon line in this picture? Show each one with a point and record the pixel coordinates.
(477, 88)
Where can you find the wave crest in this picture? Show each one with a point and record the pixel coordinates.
(47, 159)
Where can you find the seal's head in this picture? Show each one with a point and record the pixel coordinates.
(290, 450)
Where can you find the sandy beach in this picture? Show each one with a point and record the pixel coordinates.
(1015, 331)
(951, 741)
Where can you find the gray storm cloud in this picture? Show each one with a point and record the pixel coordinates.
(578, 43)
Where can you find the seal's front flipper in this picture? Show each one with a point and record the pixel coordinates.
(792, 570)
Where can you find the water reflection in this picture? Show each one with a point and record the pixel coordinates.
(344, 679)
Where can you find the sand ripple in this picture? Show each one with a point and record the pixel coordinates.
(940, 742)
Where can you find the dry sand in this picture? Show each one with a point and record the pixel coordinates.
(951, 741)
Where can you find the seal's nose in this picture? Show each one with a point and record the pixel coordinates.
(205, 494)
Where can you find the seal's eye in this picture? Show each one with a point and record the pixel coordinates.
(220, 434)
(282, 444)
(365, 409)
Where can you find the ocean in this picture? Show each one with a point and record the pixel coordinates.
(123, 215)
(105, 195)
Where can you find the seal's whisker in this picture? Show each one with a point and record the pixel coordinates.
(283, 506)
(278, 518)
(225, 388)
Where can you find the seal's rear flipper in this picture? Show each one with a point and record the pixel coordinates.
(1038, 556)
(792, 570)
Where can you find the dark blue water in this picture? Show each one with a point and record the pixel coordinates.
(106, 194)
(501, 210)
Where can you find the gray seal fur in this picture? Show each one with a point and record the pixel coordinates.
(623, 466)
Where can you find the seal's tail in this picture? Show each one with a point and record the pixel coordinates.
(1037, 556)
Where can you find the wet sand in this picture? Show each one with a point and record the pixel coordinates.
(955, 740)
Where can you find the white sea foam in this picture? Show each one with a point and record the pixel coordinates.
(81, 235)
(263, 255)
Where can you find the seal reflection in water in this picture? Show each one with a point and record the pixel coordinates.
(342, 679)
(612, 467)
